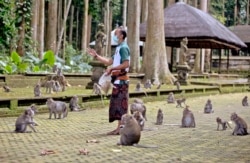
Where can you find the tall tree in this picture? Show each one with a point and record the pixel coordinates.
(51, 30)
(124, 13)
(34, 20)
(71, 24)
(155, 62)
(133, 34)
(144, 10)
(21, 30)
(85, 25)
(40, 34)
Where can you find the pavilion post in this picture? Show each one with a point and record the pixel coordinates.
(219, 61)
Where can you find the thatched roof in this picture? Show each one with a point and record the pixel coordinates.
(242, 31)
(201, 29)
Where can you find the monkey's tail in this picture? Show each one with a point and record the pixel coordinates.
(145, 146)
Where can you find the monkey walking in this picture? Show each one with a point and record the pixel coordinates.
(223, 124)
(208, 107)
(245, 101)
(159, 119)
(57, 107)
(240, 125)
(180, 101)
(187, 118)
(6, 88)
(73, 104)
(23, 121)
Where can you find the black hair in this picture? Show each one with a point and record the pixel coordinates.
(124, 33)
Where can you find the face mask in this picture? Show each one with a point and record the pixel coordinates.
(115, 38)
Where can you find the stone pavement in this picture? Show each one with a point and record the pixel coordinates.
(175, 144)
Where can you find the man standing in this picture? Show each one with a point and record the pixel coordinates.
(120, 64)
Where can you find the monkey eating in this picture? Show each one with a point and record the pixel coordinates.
(140, 119)
(240, 125)
(159, 119)
(180, 101)
(187, 118)
(171, 98)
(245, 101)
(208, 107)
(138, 105)
(223, 124)
(57, 107)
(73, 104)
(23, 121)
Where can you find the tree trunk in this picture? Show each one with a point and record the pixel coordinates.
(34, 20)
(155, 60)
(85, 25)
(197, 67)
(51, 32)
(71, 24)
(62, 29)
(77, 28)
(109, 52)
(106, 23)
(124, 13)
(21, 33)
(41, 28)
(89, 29)
(59, 18)
(170, 2)
(247, 12)
(144, 10)
(133, 34)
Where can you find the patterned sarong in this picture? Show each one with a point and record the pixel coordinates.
(118, 102)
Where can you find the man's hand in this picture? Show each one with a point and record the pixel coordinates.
(92, 52)
(108, 71)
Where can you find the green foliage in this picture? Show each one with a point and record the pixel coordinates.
(49, 58)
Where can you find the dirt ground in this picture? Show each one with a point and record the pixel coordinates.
(66, 136)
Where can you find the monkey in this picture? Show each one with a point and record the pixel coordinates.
(137, 106)
(130, 131)
(33, 111)
(56, 86)
(83, 151)
(208, 107)
(187, 118)
(139, 118)
(138, 87)
(6, 88)
(171, 98)
(98, 91)
(37, 90)
(49, 85)
(159, 86)
(54, 69)
(23, 121)
(245, 101)
(178, 85)
(59, 72)
(180, 101)
(148, 84)
(240, 125)
(73, 104)
(137, 100)
(223, 124)
(159, 118)
(57, 107)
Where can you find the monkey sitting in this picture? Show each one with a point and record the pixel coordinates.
(130, 131)
(139, 118)
(73, 104)
(37, 90)
(240, 125)
(138, 106)
(180, 101)
(56, 87)
(148, 84)
(159, 119)
(138, 87)
(171, 98)
(23, 121)
(208, 107)
(57, 107)
(49, 85)
(245, 101)
(187, 118)
(223, 124)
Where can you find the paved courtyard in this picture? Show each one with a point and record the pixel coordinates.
(175, 144)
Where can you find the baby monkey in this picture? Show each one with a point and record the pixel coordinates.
(245, 101)
(223, 124)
